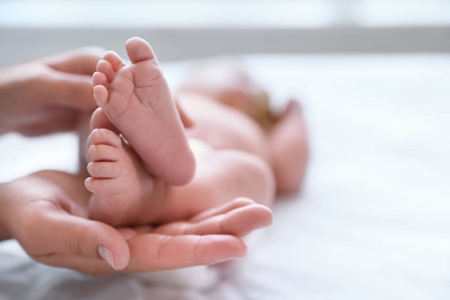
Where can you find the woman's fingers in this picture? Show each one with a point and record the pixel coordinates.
(91, 266)
(226, 207)
(238, 221)
(71, 82)
(155, 252)
(152, 252)
(72, 90)
(58, 120)
(77, 61)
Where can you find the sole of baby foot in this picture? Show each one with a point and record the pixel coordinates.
(138, 102)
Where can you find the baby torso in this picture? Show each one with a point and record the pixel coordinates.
(224, 127)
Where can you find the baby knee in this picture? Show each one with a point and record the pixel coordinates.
(256, 173)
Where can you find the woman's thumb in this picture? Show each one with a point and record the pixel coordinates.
(76, 236)
(74, 90)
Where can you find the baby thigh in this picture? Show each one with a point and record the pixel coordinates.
(221, 176)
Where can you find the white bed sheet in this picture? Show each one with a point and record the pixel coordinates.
(373, 220)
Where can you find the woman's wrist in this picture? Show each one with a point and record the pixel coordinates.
(4, 204)
(7, 79)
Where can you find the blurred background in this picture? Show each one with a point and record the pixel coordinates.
(180, 29)
(373, 218)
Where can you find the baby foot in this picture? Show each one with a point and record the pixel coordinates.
(138, 102)
(120, 186)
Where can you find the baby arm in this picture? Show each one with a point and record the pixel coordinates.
(289, 147)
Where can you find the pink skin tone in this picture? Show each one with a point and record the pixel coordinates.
(233, 159)
(286, 137)
(138, 102)
(125, 193)
(48, 95)
(46, 213)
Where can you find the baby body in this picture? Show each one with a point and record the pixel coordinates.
(234, 154)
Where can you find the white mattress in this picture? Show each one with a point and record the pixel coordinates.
(373, 220)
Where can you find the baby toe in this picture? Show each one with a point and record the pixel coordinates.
(114, 59)
(99, 78)
(139, 50)
(105, 67)
(103, 169)
(104, 153)
(101, 186)
(102, 136)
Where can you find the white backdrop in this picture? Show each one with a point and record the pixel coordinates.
(371, 223)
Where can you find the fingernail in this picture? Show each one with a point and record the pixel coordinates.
(107, 255)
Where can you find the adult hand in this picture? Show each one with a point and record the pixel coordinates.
(47, 95)
(46, 213)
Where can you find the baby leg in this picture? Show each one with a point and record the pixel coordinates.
(138, 102)
(124, 193)
(221, 176)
